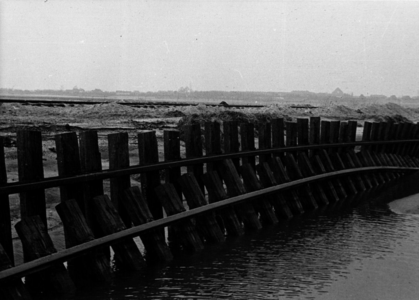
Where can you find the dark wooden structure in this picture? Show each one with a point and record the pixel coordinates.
(223, 187)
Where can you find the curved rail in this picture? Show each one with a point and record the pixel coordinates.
(45, 262)
(17, 187)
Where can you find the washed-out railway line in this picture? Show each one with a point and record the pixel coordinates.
(298, 167)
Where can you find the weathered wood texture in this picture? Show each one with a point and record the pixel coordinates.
(139, 213)
(30, 168)
(193, 148)
(92, 267)
(127, 254)
(207, 224)
(182, 236)
(5, 221)
(37, 243)
(119, 159)
(13, 289)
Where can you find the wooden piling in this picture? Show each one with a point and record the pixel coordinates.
(193, 147)
(171, 139)
(229, 220)
(264, 139)
(13, 289)
(207, 224)
(281, 176)
(291, 134)
(119, 159)
(127, 254)
(30, 168)
(247, 142)
(235, 187)
(213, 145)
(139, 213)
(183, 235)
(314, 133)
(149, 154)
(5, 220)
(278, 141)
(231, 140)
(37, 243)
(264, 208)
(277, 200)
(89, 268)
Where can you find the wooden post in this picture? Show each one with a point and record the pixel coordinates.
(235, 187)
(171, 153)
(334, 134)
(213, 144)
(68, 162)
(264, 139)
(5, 220)
(278, 134)
(127, 255)
(119, 159)
(216, 191)
(314, 133)
(90, 161)
(302, 132)
(183, 235)
(307, 170)
(294, 172)
(14, 289)
(231, 140)
(207, 224)
(366, 135)
(37, 243)
(267, 179)
(291, 129)
(281, 176)
(30, 166)
(89, 268)
(193, 147)
(247, 140)
(139, 213)
(263, 207)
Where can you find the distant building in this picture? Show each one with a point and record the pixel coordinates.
(338, 93)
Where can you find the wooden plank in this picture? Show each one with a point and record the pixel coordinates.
(148, 154)
(278, 130)
(264, 208)
(119, 159)
(343, 135)
(281, 176)
(37, 243)
(30, 167)
(235, 187)
(171, 139)
(193, 146)
(303, 132)
(346, 185)
(127, 254)
(309, 202)
(68, 162)
(329, 186)
(207, 224)
(5, 220)
(139, 213)
(318, 189)
(90, 161)
(325, 132)
(366, 134)
(279, 203)
(14, 289)
(213, 144)
(291, 134)
(231, 140)
(228, 219)
(184, 235)
(334, 134)
(247, 142)
(315, 130)
(92, 267)
(264, 139)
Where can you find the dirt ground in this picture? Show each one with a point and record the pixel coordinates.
(113, 117)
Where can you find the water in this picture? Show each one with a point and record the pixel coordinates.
(369, 253)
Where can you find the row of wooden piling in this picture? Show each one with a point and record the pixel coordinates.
(88, 214)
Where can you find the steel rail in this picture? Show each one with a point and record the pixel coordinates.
(64, 255)
(17, 187)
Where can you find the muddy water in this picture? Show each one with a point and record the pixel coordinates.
(369, 253)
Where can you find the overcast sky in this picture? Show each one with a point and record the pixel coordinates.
(367, 47)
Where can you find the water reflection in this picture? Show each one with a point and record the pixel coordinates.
(315, 258)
